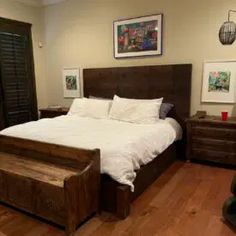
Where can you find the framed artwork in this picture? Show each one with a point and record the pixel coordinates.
(140, 36)
(219, 82)
(71, 82)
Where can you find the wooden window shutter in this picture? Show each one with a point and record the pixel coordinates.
(17, 92)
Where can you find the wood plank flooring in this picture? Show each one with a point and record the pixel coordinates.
(185, 201)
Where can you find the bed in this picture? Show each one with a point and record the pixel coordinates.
(172, 82)
(124, 146)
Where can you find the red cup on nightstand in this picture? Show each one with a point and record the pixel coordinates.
(224, 115)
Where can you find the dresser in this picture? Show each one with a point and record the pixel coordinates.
(53, 112)
(211, 139)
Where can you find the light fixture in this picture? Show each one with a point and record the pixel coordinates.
(227, 33)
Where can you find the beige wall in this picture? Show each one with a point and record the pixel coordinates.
(79, 33)
(34, 15)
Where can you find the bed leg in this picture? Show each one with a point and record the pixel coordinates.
(123, 201)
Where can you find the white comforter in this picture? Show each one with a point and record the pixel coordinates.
(124, 146)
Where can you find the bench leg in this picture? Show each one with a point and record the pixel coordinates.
(70, 229)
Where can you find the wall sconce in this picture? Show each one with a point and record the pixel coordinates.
(227, 33)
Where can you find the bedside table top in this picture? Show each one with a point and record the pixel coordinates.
(61, 109)
(53, 112)
(212, 119)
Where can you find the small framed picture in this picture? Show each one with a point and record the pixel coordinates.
(219, 81)
(71, 82)
(141, 36)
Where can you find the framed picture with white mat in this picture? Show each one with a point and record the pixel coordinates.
(71, 82)
(219, 78)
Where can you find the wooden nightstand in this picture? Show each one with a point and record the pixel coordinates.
(211, 139)
(53, 112)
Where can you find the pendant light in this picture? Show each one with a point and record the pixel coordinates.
(227, 33)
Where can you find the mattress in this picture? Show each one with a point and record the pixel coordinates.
(124, 146)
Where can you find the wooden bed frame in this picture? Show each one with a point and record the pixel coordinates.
(173, 82)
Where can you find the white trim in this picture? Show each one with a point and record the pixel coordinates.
(39, 3)
(50, 2)
(34, 3)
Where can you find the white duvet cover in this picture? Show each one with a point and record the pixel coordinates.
(124, 146)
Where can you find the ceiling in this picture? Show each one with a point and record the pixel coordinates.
(39, 3)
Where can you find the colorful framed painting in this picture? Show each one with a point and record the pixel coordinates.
(71, 82)
(219, 82)
(140, 36)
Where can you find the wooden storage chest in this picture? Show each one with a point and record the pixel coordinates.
(58, 183)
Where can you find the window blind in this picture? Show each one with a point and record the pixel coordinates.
(16, 78)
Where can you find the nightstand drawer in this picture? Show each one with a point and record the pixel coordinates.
(213, 156)
(214, 144)
(221, 133)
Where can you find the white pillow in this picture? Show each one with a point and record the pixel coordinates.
(76, 106)
(92, 108)
(158, 100)
(140, 111)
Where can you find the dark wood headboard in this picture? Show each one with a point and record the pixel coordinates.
(173, 82)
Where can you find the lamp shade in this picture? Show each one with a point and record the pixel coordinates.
(227, 33)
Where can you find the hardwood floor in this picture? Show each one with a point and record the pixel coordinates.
(186, 200)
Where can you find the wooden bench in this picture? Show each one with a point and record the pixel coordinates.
(60, 184)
